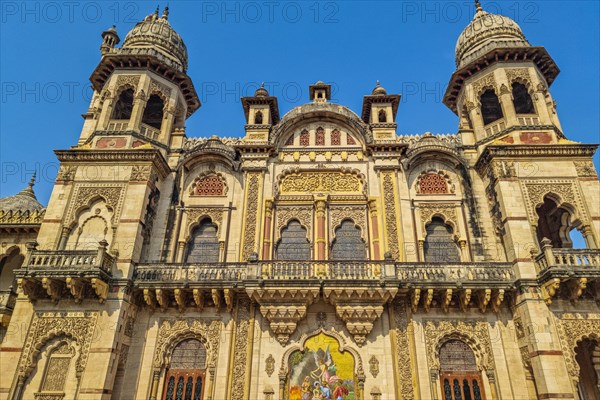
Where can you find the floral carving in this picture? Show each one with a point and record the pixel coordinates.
(66, 173)
(402, 346)
(390, 214)
(83, 195)
(566, 190)
(310, 182)
(374, 366)
(518, 74)
(160, 89)
(585, 168)
(195, 214)
(46, 325)
(270, 365)
(571, 330)
(447, 211)
(128, 80)
(251, 216)
(487, 82)
(240, 346)
(140, 173)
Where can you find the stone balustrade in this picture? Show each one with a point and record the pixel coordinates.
(463, 273)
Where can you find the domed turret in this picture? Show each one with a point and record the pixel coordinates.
(110, 39)
(379, 90)
(155, 36)
(261, 91)
(487, 32)
(23, 201)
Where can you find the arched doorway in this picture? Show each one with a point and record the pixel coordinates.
(348, 243)
(203, 246)
(439, 242)
(558, 224)
(293, 245)
(587, 355)
(459, 376)
(185, 377)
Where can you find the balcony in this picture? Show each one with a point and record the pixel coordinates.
(66, 273)
(121, 125)
(568, 273)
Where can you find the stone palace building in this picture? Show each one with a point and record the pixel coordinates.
(319, 256)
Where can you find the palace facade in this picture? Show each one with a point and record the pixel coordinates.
(321, 255)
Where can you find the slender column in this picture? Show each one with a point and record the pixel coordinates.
(154, 389)
(421, 250)
(374, 229)
(64, 235)
(508, 108)
(180, 251)
(139, 105)
(586, 231)
(464, 254)
(267, 230)
(320, 206)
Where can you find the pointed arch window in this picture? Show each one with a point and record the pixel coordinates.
(558, 224)
(459, 376)
(153, 113)
(336, 138)
(57, 368)
(290, 141)
(186, 373)
(348, 243)
(304, 138)
(439, 243)
(258, 118)
(382, 117)
(491, 110)
(293, 245)
(320, 137)
(203, 246)
(124, 105)
(521, 99)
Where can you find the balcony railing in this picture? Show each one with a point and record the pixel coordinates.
(118, 125)
(464, 273)
(69, 260)
(568, 261)
(149, 131)
(150, 273)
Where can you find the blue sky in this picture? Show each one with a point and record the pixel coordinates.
(49, 49)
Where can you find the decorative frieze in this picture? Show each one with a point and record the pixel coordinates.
(391, 225)
(252, 194)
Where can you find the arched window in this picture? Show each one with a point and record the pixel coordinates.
(348, 244)
(153, 113)
(320, 137)
(124, 105)
(8, 264)
(521, 99)
(490, 107)
(258, 118)
(293, 245)
(382, 116)
(304, 138)
(186, 373)
(57, 368)
(439, 243)
(459, 376)
(203, 246)
(93, 225)
(587, 355)
(556, 223)
(336, 138)
(432, 183)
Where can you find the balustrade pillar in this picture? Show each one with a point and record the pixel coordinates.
(155, 381)
(374, 229)
(267, 230)
(320, 240)
(421, 244)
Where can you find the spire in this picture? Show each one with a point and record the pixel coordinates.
(165, 14)
(478, 7)
(28, 191)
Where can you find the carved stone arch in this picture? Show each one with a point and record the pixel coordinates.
(171, 333)
(290, 218)
(343, 347)
(337, 215)
(477, 350)
(572, 332)
(450, 186)
(446, 212)
(195, 216)
(564, 193)
(204, 175)
(485, 83)
(284, 215)
(85, 196)
(161, 91)
(88, 206)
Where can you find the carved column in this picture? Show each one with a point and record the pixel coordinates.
(252, 208)
(508, 107)
(390, 213)
(155, 381)
(586, 231)
(267, 230)
(139, 105)
(320, 238)
(374, 230)
(64, 235)
(180, 251)
(421, 244)
(464, 252)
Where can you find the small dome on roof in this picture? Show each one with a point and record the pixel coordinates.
(25, 200)
(261, 91)
(379, 90)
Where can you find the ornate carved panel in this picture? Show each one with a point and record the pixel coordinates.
(572, 328)
(321, 182)
(434, 182)
(521, 74)
(241, 343)
(195, 214)
(390, 214)
(83, 194)
(127, 80)
(339, 213)
(251, 215)
(402, 345)
(162, 90)
(487, 82)
(78, 326)
(446, 210)
(585, 168)
(211, 184)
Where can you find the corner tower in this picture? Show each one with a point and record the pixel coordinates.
(500, 89)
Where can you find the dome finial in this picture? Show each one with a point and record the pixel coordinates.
(478, 7)
(165, 14)
(28, 191)
(32, 180)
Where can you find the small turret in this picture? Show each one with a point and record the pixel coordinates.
(110, 39)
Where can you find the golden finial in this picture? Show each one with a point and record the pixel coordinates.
(478, 6)
(165, 13)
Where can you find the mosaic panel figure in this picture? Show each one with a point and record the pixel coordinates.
(321, 372)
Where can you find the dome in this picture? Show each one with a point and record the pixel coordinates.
(379, 90)
(155, 36)
(486, 32)
(25, 200)
(261, 91)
